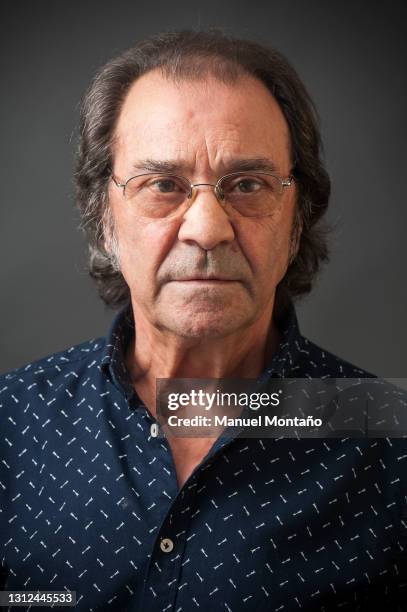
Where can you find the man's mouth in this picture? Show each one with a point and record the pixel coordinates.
(204, 279)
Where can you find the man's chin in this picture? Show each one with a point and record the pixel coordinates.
(204, 312)
(204, 324)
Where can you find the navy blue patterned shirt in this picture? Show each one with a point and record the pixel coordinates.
(89, 499)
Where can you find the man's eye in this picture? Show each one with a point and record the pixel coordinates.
(248, 185)
(165, 186)
(244, 185)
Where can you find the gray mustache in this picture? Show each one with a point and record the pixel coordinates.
(191, 262)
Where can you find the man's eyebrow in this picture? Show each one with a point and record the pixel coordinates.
(157, 165)
(251, 163)
(264, 164)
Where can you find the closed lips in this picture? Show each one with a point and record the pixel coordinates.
(205, 278)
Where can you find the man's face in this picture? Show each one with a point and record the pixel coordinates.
(204, 127)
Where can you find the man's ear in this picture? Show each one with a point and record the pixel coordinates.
(107, 230)
(107, 242)
(109, 239)
(295, 237)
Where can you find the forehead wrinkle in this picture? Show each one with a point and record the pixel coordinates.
(189, 158)
(190, 134)
(217, 147)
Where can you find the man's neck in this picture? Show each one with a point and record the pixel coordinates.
(161, 355)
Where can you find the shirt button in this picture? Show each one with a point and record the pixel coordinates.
(154, 430)
(166, 545)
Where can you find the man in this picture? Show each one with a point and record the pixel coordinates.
(202, 190)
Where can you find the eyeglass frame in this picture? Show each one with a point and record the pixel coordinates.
(220, 196)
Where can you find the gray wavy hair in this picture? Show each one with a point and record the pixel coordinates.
(189, 55)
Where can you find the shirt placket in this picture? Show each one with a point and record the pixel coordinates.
(163, 574)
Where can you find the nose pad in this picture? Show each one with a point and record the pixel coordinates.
(220, 196)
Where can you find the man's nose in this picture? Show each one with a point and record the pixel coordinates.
(206, 222)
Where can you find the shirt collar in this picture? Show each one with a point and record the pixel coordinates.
(122, 331)
(285, 358)
(114, 355)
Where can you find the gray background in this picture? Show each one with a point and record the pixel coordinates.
(351, 55)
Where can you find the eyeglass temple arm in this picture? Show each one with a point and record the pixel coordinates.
(287, 181)
(116, 182)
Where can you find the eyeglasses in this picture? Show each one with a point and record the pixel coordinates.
(251, 194)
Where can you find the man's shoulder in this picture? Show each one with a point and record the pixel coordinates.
(70, 360)
(53, 394)
(356, 390)
(300, 357)
(318, 362)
